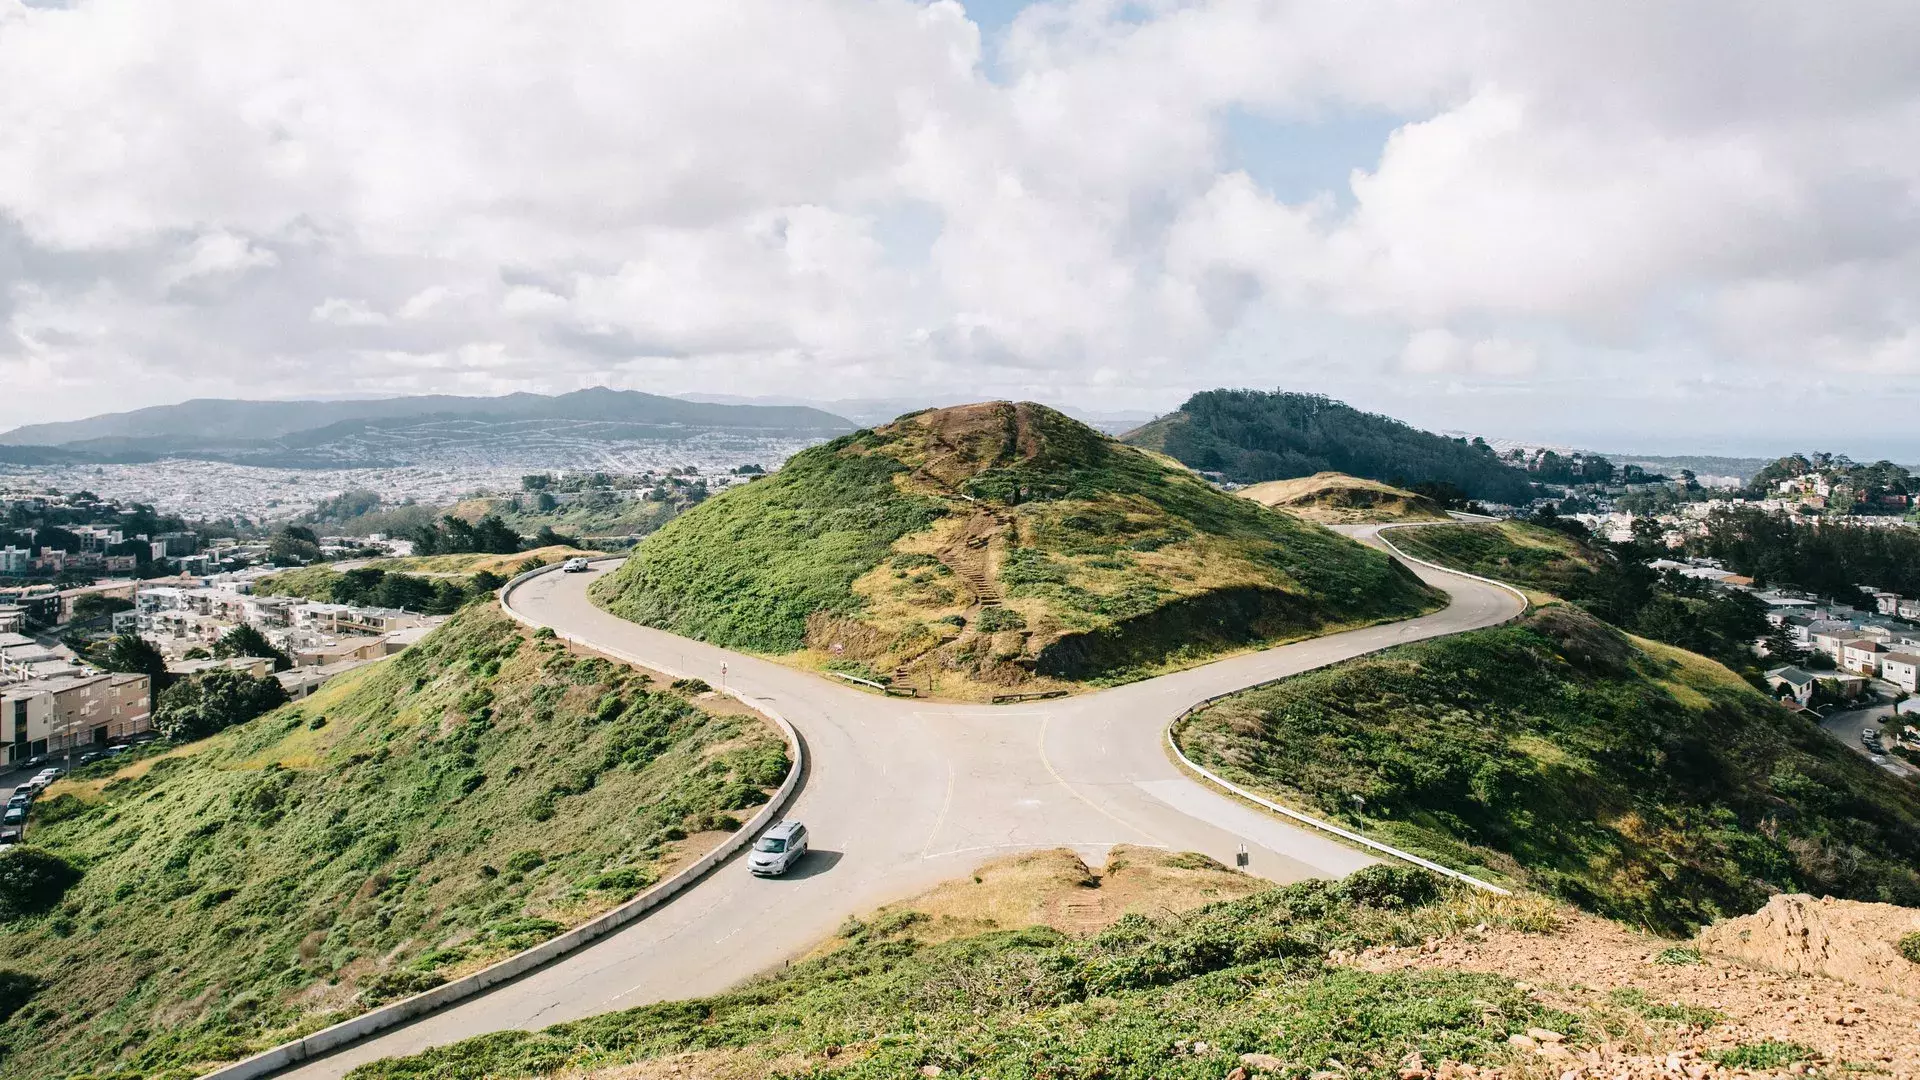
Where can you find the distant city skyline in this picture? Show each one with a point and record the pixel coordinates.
(1635, 227)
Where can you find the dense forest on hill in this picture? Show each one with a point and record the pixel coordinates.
(1829, 559)
(1253, 436)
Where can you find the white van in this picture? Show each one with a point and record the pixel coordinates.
(778, 849)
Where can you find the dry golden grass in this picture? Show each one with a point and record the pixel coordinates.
(1056, 888)
(475, 562)
(1332, 498)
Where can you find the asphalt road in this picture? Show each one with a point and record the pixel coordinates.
(1847, 724)
(901, 795)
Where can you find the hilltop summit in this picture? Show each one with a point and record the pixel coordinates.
(998, 547)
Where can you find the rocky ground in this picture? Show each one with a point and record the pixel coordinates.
(1655, 1009)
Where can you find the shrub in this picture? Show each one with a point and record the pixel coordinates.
(32, 881)
(995, 619)
(16, 989)
(1909, 946)
(1385, 886)
(691, 686)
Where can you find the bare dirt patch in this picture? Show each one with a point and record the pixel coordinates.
(1653, 1008)
(1842, 939)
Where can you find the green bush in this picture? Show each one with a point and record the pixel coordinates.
(16, 989)
(1909, 946)
(32, 882)
(200, 705)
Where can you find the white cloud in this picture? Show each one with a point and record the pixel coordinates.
(341, 311)
(523, 196)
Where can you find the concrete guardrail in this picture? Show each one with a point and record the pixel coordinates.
(399, 1012)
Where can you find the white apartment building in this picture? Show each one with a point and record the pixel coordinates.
(1902, 670)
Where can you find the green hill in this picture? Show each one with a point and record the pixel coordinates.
(1159, 997)
(1639, 781)
(998, 546)
(1253, 436)
(474, 795)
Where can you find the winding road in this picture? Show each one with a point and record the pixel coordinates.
(901, 794)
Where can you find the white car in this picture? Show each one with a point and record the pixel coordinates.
(574, 566)
(778, 849)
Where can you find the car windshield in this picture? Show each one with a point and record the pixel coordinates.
(772, 845)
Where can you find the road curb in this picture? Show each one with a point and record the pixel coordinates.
(1307, 819)
(393, 1015)
(1381, 533)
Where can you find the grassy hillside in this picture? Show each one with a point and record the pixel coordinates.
(1254, 436)
(413, 821)
(1515, 552)
(998, 546)
(1638, 781)
(1332, 498)
(1150, 997)
(475, 562)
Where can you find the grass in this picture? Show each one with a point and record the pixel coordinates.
(1147, 997)
(1764, 1055)
(1338, 499)
(459, 802)
(475, 562)
(1511, 551)
(1107, 563)
(1637, 781)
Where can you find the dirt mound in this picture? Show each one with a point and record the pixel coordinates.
(1842, 939)
(1338, 499)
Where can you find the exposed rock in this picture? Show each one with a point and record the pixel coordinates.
(1842, 939)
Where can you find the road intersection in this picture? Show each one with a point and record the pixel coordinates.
(900, 794)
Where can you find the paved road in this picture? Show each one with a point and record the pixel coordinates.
(1847, 724)
(901, 795)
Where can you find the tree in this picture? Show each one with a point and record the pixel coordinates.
(134, 655)
(248, 641)
(293, 545)
(213, 701)
(98, 606)
(546, 537)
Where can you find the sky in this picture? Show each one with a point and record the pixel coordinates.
(1618, 223)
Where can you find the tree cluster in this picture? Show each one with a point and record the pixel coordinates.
(212, 701)
(1253, 436)
(452, 536)
(1828, 559)
(371, 586)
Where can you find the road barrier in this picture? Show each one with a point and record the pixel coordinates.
(399, 1012)
(1381, 533)
(1038, 695)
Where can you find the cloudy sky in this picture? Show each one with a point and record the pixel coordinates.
(1633, 225)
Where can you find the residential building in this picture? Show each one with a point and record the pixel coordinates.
(1862, 657)
(1886, 603)
(1909, 610)
(15, 560)
(1797, 683)
(49, 716)
(1902, 670)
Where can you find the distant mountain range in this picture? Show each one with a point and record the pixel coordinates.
(872, 412)
(408, 430)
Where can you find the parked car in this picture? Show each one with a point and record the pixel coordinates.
(778, 849)
(14, 817)
(574, 566)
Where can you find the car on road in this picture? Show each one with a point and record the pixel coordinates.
(574, 566)
(15, 817)
(778, 849)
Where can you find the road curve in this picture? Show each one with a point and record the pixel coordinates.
(901, 794)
